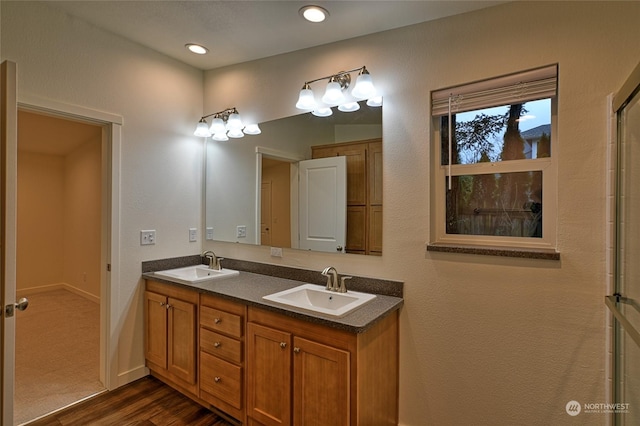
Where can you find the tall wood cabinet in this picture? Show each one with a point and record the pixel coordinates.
(303, 373)
(364, 192)
(170, 334)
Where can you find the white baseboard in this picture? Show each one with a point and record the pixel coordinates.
(50, 287)
(132, 375)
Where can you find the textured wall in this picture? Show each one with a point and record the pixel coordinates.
(484, 340)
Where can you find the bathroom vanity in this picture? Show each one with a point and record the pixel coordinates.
(261, 363)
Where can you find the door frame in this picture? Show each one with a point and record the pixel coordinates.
(110, 228)
(617, 101)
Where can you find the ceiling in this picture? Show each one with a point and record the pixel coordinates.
(233, 31)
(240, 31)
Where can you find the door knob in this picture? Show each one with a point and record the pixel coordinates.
(21, 305)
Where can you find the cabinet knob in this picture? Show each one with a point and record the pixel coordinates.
(161, 303)
(296, 350)
(169, 306)
(217, 320)
(217, 379)
(283, 345)
(217, 344)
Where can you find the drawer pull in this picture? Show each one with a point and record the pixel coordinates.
(217, 344)
(296, 350)
(217, 320)
(217, 379)
(283, 345)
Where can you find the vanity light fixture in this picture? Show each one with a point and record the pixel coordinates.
(224, 125)
(196, 48)
(335, 93)
(313, 13)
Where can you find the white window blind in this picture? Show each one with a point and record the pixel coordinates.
(539, 83)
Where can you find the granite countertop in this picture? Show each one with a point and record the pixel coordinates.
(249, 288)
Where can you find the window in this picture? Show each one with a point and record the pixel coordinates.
(495, 174)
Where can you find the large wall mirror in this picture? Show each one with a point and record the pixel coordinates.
(257, 192)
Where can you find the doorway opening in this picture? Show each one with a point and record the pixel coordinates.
(59, 262)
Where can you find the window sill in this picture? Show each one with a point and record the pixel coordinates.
(496, 251)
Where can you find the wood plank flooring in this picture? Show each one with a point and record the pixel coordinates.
(145, 402)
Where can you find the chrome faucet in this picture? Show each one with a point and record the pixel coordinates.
(332, 278)
(214, 261)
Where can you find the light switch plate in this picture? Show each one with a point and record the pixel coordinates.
(147, 237)
(276, 251)
(193, 234)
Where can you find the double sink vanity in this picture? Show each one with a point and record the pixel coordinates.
(269, 345)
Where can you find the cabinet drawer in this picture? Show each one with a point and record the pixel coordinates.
(221, 379)
(221, 346)
(221, 321)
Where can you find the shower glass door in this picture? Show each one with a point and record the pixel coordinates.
(625, 303)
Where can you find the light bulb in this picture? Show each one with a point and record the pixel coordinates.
(220, 137)
(202, 129)
(376, 101)
(349, 107)
(333, 95)
(252, 129)
(364, 86)
(234, 122)
(322, 112)
(306, 100)
(235, 133)
(217, 126)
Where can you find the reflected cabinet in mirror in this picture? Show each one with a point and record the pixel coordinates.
(306, 182)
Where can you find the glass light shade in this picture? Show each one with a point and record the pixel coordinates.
(376, 101)
(234, 122)
(202, 129)
(217, 126)
(364, 87)
(306, 100)
(252, 129)
(220, 137)
(333, 95)
(235, 133)
(322, 112)
(349, 107)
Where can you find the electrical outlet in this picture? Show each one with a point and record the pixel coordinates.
(193, 234)
(147, 237)
(276, 251)
(209, 235)
(241, 231)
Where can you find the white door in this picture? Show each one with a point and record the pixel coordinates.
(323, 204)
(8, 172)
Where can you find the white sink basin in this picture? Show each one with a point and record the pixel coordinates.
(315, 298)
(196, 274)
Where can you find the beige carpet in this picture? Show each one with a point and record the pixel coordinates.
(57, 353)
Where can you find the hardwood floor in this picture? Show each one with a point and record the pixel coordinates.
(145, 402)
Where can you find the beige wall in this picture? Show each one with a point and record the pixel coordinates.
(82, 218)
(59, 220)
(484, 340)
(40, 259)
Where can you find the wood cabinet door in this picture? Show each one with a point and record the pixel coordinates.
(320, 384)
(156, 328)
(181, 360)
(268, 375)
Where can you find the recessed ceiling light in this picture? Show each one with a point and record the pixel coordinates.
(314, 13)
(196, 48)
